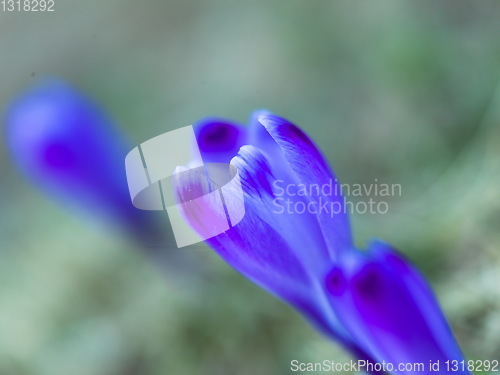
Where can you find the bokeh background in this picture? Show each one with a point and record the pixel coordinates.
(402, 92)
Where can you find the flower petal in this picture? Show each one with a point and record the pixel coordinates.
(300, 230)
(391, 311)
(310, 168)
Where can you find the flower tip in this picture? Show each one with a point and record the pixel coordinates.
(268, 118)
(255, 115)
(388, 254)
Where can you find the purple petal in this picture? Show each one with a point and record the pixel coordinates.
(310, 168)
(390, 310)
(67, 146)
(219, 139)
(300, 230)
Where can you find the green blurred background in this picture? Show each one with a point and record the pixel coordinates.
(402, 92)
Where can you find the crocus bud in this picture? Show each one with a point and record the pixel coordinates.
(391, 312)
(67, 146)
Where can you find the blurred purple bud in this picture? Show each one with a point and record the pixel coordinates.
(67, 146)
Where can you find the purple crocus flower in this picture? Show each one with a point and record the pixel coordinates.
(374, 302)
(67, 146)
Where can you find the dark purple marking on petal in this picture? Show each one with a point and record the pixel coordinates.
(336, 282)
(58, 155)
(219, 139)
(368, 283)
